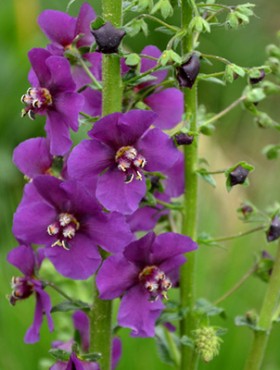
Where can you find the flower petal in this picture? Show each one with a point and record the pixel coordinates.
(138, 314)
(115, 195)
(38, 57)
(23, 258)
(169, 106)
(139, 251)
(85, 17)
(81, 323)
(115, 276)
(147, 63)
(61, 77)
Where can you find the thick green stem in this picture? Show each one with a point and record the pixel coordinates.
(101, 313)
(270, 302)
(187, 274)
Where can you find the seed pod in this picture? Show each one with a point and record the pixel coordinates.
(186, 74)
(273, 232)
(182, 138)
(238, 175)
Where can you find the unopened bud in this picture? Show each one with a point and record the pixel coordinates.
(238, 175)
(182, 138)
(207, 343)
(188, 71)
(255, 80)
(108, 38)
(273, 232)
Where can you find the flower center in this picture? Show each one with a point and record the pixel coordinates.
(37, 99)
(155, 282)
(22, 288)
(130, 162)
(64, 229)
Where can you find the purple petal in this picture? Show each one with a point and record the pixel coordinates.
(170, 245)
(59, 27)
(38, 57)
(115, 276)
(80, 262)
(110, 231)
(169, 106)
(61, 77)
(95, 60)
(88, 159)
(116, 352)
(143, 219)
(92, 102)
(138, 314)
(43, 305)
(158, 149)
(147, 64)
(58, 133)
(122, 129)
(49, 188)
(175, 182)
(139, 251)
(85, 17)
(39, 215)
(23, 258)
(81, 323)
(32, 157)
(70, 105)
(115, 195)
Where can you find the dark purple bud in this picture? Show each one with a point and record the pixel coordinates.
(255, 80)
(108, 38)
(246, 210)
(186, 74)
(183, 139)
(22, 288)
(238, 175)
(273, 232)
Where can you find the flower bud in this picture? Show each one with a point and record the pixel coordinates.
(273, 232)
(246, 210)
(182, 138)
(108, 38)
(238, 175)
(207, 343)
(186, 74)
(254, 80)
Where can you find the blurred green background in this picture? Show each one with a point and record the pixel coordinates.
(235, 139)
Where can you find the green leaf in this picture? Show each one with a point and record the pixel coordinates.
(91, 357)
(164, 7)
(232, 20)
(204, 307)
(170, 57)
(163, 348)
(70, 306)
(132, 60)
(206, 176)
(59, 354)
(250, 320)
(187, 341)
(255, 95)
(97, 23)
(199, 24)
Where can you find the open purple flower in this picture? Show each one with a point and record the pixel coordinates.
(142, 275)
(53, 94)
(121, 150)
(28, 262)
(65, 218)
(62, 29)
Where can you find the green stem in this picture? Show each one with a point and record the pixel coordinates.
(88, 72)
(58, 290)
(172, 347)
(225, 111)
(101, 313)
(236, 286)
(187, 273)
(238, 235)
(270, 302)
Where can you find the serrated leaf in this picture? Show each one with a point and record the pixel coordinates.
(205, 307)
(163, 348)
(59, 354)
(70, 306)
(206, 176)
(243, 321)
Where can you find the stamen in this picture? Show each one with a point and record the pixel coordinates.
(128, 160)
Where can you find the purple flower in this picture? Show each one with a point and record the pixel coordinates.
(121, 149)
(62, 29)
(53, 94)
(75, 363)
(143, 274)
(28, 262)
(167, 103)
(65, 218)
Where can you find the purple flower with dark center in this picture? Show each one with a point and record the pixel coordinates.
(121, 149)
(53, 94)
(142, 275)
(63, 30)
(28, 262)
(65, 218)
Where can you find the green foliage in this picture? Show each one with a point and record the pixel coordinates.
(164, 7)
(199, 24)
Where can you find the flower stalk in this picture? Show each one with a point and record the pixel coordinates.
(187, 274)
(269, 306)
(101, 313)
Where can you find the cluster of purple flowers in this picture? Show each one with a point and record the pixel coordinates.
(95, 195)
